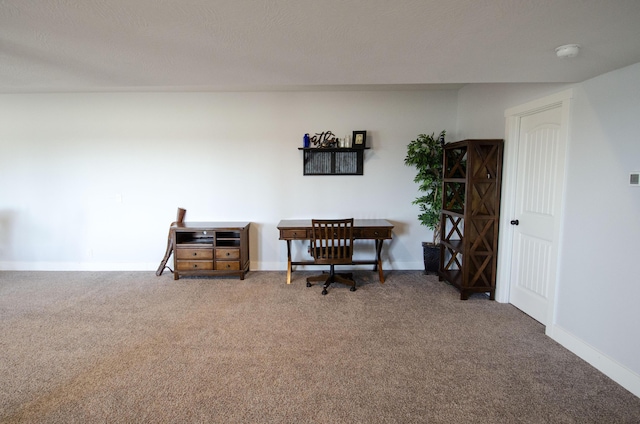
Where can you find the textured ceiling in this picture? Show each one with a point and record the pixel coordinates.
(87, 45)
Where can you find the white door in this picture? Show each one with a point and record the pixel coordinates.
(536, 218)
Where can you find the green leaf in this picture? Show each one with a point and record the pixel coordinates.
(426, 155)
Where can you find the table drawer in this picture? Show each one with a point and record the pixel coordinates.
(372, 233)
(227, 254)
(194, 265)
(227, 265)
(295, 234)
(194, 253)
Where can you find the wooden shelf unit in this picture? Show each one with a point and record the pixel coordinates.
(470, 215)
(333, 161)
(210, 248)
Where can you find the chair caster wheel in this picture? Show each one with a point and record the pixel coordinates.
(324, 292)
(352, 289)
(308, 284)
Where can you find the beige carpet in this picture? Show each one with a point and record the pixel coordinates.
(130, 347)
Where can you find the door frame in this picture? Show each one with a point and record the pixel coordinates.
(513, 117)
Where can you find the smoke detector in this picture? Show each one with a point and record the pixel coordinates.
(568, 50)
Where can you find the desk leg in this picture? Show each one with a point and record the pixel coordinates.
(288, 261)
(378, 264)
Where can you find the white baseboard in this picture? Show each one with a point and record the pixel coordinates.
(78, 266)
(147, 266)
(605, 364)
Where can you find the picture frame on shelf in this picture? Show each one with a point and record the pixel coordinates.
(359, 140)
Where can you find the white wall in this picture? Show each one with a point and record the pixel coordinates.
(598, 284)
(481, 106)
(599, 276)
(92, 181)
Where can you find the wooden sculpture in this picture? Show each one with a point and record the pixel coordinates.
(163, 263)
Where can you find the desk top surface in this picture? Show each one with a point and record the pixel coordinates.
(306, 223)
(218, 225)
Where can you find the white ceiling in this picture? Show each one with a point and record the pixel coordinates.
(103, 45)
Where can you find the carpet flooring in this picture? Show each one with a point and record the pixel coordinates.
(130, 347)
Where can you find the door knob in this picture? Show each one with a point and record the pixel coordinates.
(515, 222)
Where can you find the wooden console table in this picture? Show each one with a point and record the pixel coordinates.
(210, 248)
(363, 229)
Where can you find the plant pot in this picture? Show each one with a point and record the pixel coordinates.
(431, 254)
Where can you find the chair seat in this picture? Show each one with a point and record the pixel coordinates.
(326, 256)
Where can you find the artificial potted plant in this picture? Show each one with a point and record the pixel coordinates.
(425, 153)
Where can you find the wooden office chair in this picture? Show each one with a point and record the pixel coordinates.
(332, 244)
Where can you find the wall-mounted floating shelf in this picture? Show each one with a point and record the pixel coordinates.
(333, 161)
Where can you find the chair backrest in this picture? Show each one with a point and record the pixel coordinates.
(332, 241)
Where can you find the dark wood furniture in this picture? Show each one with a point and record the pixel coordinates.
(363, 229)
(210, 248)
(332, 244)
(163, 263)
(470, 215)
(333, 161)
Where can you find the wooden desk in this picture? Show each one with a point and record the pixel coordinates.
(363, 229)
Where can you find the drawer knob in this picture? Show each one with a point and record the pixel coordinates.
(375, 233)
(195, 253)
(228, 253)
(228, 266)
